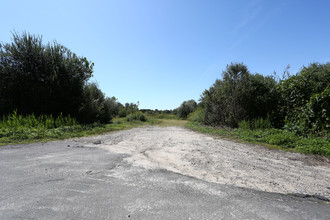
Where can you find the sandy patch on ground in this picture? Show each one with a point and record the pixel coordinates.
(221, 161)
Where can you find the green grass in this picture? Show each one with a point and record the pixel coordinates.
(272, 138)
(163, 116)
(171, 122)
(16, 129)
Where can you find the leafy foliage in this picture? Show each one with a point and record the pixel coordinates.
(305, 100)
(239, 95)
(257, 123)
(136, 116)
(41, 79)
(291, 113)
(20, 127)
(97, 107)
(197, 115)
(49, 79)
(186, 108)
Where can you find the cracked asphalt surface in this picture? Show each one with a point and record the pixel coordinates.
(74, 180)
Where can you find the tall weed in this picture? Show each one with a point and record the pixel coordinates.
(258, 123)
(20, 126)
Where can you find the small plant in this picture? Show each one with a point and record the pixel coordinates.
(245, 124)
(258, 123)
(261, 123)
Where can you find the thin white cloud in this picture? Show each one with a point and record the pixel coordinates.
(236, 43)
(253, 11)
(256, 9)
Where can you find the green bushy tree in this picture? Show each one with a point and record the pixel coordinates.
(305, 99)
(238, 96)
(97, 107)
(41, 79)
(186, 108)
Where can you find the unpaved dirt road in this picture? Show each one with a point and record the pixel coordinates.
(220, 161)
(160, 173)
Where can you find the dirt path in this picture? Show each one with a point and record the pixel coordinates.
(221, 161)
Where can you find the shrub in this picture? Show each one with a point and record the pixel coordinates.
(197, 115)
(136, 116)
(96, 107)
(239, 96)
(164, 116)
(317, 112)
(258, 123)
(284, 139)
(122, 112)
(41, 79)
(186, 108)
(305, 100)
(244, 124)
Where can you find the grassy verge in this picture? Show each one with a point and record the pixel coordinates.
(171, 122)
(272, 138)
(16, 129)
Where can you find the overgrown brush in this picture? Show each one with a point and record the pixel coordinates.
(17, 128)
(16, 121)
(164, 116)
(136, 116)
(258, 123)
(22, 127)
(197, 115)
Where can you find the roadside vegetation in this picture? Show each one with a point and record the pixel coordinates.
(269, 137)
(46, 93)
(291, 112)
(15, 128)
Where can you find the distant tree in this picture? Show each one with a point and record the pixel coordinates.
(131, 108)
(186, 108)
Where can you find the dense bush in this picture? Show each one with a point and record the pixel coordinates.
(93, 108)
(197, 115)
(186, 108)
(41, 79)
(49, 79)
(298, 103)
(136, 116)
(305, 99)
(239, 95)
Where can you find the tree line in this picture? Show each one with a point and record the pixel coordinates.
(44, 79)
(37, 78)
(299, 103)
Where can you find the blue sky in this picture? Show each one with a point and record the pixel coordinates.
(163, 52)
